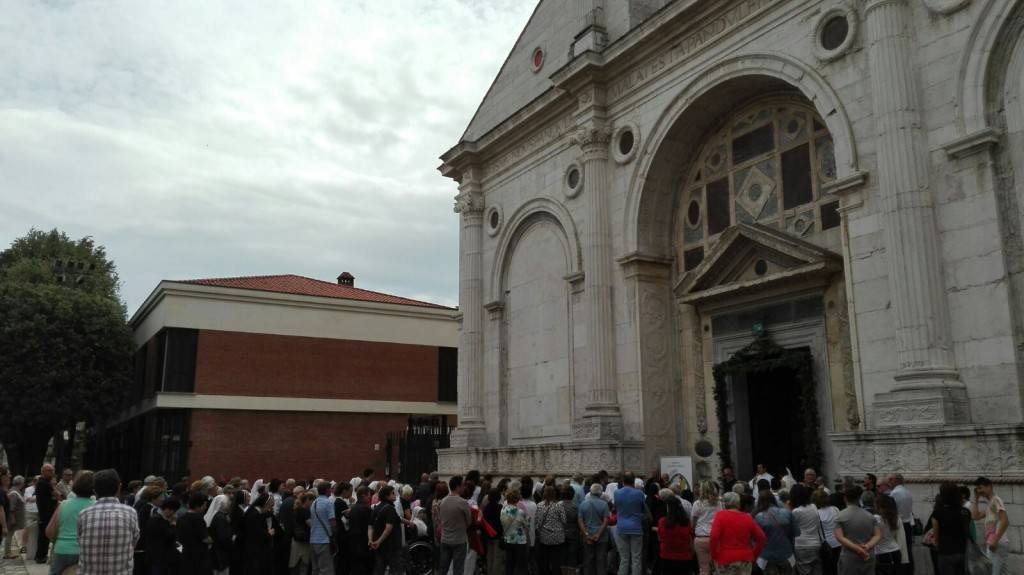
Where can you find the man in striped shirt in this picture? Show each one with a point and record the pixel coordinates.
(107, 531)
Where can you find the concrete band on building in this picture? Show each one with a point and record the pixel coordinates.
(281, 376)
(653, 193)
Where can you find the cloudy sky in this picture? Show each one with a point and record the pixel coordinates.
(204, 138)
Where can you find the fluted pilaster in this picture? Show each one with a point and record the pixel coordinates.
(470, 205)
(923, 339)
(602, 406)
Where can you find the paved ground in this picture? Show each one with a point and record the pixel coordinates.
(14, 567)
(20, 567)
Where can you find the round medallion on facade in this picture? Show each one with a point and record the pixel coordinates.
(704, 448)
(494, 220)
(537, 59)
(573, 180)
(625, 142)
(834, 33)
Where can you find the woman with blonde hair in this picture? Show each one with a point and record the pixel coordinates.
(702, 518)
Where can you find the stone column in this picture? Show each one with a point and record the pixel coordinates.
(927, 388)
(471, 431)
(601, 414)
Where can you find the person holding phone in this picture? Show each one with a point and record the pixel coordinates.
(996, 522)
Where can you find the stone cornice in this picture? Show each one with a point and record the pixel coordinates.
(844, 186)
(971, 144)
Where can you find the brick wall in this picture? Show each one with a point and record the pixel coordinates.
(265, 444)
(235, 363)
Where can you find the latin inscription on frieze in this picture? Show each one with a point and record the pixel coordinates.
(715, 27)
(532, 143)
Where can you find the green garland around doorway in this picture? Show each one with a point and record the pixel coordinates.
(762, 355)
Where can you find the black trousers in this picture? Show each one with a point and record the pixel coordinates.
(908, 529)
(549, 559)
(43, 543)
(517, 559)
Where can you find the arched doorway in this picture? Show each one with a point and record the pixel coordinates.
(737, 193)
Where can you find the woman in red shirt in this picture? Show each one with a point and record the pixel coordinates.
(675, 537)
(736, 539)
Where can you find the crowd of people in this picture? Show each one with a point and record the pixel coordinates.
(473, 523)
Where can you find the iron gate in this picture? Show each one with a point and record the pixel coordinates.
(416, 448)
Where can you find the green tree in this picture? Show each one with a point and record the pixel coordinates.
(65, 346)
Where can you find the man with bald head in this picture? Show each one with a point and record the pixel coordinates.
(46, 502)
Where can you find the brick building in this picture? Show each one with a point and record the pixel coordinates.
(280, 376)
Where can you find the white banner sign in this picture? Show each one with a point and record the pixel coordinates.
(678, 465)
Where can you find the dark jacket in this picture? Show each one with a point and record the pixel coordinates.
(259, 546)
(286, 515)
(221, 534)
(46, 502)
(195, 554)
(161, 545)
(359, 518)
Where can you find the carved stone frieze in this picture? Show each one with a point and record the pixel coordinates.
(842, 314)
(941, 452)
(560, 459)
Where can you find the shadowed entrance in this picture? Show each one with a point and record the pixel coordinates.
(767, 397)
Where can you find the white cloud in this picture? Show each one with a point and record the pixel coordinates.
(198, 138)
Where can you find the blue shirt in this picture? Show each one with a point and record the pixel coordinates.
(322, 512)
(780, 530)
(629, 504)
(594, 511)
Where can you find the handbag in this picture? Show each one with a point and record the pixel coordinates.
(332, 541)
(824, 550)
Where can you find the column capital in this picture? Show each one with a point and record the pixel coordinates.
(593, 138)
(469, 203)
(470, 199)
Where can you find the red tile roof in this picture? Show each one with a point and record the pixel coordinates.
(300, 285)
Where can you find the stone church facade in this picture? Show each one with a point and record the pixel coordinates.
(659, 199)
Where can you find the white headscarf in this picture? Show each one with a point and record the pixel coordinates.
(638, 483)
(609, 491)
(373, 486)
(356, 482)
(788, 481)
(218, 503)
(255, 491)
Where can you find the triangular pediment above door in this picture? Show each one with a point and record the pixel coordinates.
(753, 257)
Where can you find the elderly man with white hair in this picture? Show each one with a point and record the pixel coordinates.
(593, 524)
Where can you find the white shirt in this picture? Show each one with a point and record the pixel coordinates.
(703, 517)
(30, 506)
(889, 542)
(531, 511)
(753, 482)
(828, 516)
(904, 503)
(808, 521)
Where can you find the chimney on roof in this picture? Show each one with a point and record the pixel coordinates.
(346, 279)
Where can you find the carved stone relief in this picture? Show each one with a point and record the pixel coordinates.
(966, 450)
